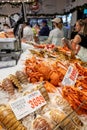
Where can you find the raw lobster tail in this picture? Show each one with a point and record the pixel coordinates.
(22, 77)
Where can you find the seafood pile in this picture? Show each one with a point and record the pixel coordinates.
(13, 82)
(38, 70)
(49, 73)
(41, 124)
(76, 98)
(8, 119)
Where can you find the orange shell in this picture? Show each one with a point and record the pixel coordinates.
(49, 87)
(54, 78)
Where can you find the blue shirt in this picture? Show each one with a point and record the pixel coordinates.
(44, 31)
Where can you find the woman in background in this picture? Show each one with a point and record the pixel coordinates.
(28, 34)
(57, 33)
(79, 43)
(74, 32)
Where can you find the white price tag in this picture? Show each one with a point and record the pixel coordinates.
(27, 104)
(70, 77)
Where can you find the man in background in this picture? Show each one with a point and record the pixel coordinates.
(44, 32)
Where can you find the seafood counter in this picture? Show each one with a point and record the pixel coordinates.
(37, 84)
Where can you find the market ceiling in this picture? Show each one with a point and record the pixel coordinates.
(16, 1)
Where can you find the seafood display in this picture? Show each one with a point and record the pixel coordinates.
(41, 124)
(43, 91)
(22, 77)
(15, 81)
(8, 119)
(38, 70)
(57, 116)
(44, 71)
(76, 98)
(8, 86)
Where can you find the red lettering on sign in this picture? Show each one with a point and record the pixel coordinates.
(73, 74)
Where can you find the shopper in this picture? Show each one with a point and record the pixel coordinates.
(73, 32)
(79, 43)
(27, 32)
(36, 29)
(6, 27)
(57, 33)
(44, 31)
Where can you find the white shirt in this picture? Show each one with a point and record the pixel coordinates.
(55, 36)
(28, 33)
(82, 54)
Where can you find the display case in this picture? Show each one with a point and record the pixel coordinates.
(10, 50)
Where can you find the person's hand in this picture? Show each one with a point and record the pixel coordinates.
(64, 41)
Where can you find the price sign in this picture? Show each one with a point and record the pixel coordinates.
(35, 100)
(27, 104)
(70, 77)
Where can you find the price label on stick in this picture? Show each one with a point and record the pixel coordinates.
(70, 77)
(27, 104)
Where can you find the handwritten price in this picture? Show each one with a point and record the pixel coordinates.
(36, 101)
(73, 74)
(27, 104)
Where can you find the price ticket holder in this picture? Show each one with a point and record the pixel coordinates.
(27, 104)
